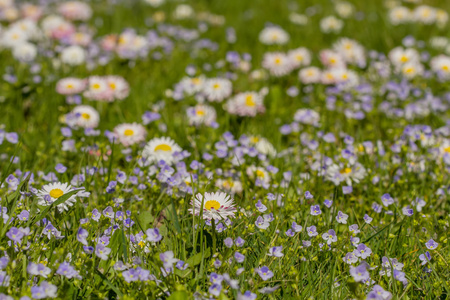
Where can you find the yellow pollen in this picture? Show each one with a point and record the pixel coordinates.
(216, 86)
(163, 147)
(404, 58)
(333, 61)
(85, 116)
(195, 81)
(409, 70)
(96, 86)
(345, 171)
(56, 193)
(277, 60)
(112, 85)
(447, 149)
(254, 140)
(128, 132)
(249, 101)
(299, 57)
(200, 112)
(212, 204)
(70, 86)
(445, 68)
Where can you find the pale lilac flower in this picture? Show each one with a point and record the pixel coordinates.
(330, 236)
(264, 272)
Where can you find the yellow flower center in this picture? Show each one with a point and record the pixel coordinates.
(404, 59)
(299, 57)
(112, 85)
(212, 204)
(128, 132)
(447, 149)
(96, 86)
(409, 70)
(259, 173)
(249, 101)
(277, 60)
(345, 171)
(254, 139)
(70, 86)
(200, 112)
(445, 68)
(163, 147)
(195, 81)
(56, 193)
(85, 116)
(216, 86)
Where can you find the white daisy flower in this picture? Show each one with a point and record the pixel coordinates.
(201, 114)
(273, 35)
(51, 192)
(73, 55)
(399, 56)
(192, 85)
(215, 206)
(352, 52)
(400, 15)
(310, 75)
(299, 57)
(98, 89)
(425, 14)
(70, 86)
(258, 173)
(331, 24)
(277, 63)
(348, 174)
(161, 149)
(217, 89)
(230, 185)
(441, 66)
(246, 104)
(86, 116)
(119, 86)
(130, 133)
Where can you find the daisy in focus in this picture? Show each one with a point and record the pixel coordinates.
(85, 116)
(52, 192)
(215, 206)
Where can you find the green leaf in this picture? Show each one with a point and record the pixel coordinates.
(197, 258)
(145, 219)
(179, 295)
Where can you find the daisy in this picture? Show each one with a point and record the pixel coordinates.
(273, 36)
(86, 116)
(340, 173)
(441, 66)
(192, 85)
(258, 173)
(399, 56)
(400, 15)
(351, 51)
(262, 145)
(161, 149)
(277, 63)
(246, 104)
(331, 59)
(130, 133)
(217, 89)
(299, 57)
(73, 55)
(412, 69)
(75, 10)
(98, 89)
(13, 36)
(215, 206)
(424, 14)
(331, 24)
(51, 192)
(310, 75)
(118, 86)
(201, 114)
(25, 52)
(70, 86)
(57, 27)
(229, 185)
